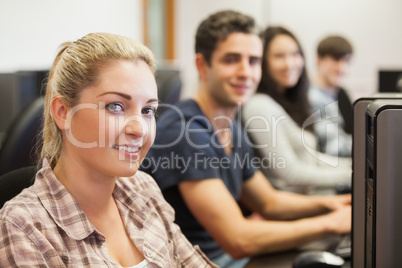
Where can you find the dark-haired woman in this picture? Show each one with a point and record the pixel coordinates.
(279, 123)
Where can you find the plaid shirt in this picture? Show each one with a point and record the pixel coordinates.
(45, 227)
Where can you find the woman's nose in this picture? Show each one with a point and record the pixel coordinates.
(136, 127)
(289, 61)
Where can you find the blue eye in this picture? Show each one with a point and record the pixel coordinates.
(149, 111)
(231, 59)
(115, 107)
(255, 61)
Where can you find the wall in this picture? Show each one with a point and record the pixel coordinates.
(32, 30)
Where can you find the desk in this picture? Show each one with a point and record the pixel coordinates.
(285, 259)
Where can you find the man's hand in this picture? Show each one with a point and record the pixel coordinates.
(335, 202)
(340, 220)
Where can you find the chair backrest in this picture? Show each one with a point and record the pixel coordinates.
(346, 109)
(17, 149)
(169, 87)
(12, 183)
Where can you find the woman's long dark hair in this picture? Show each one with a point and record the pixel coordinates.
(293, 100)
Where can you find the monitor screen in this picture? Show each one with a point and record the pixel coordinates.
(390, 81)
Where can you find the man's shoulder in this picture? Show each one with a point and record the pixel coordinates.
(185, 118)
(319, 97)
(315, 91)
(183, 107)
(183, 111)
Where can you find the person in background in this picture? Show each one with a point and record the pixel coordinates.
(205, 167)
(277, 121)
(89, 206)
(334, 54)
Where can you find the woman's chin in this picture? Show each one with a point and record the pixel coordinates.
(127, 172)
(128, 169)
(291, 83)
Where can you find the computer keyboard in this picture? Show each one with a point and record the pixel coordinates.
(344, 247)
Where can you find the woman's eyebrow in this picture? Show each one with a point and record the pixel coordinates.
(152, 100)
(126, 96)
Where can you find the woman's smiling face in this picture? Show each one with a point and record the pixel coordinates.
(113, 126)
(285, 61)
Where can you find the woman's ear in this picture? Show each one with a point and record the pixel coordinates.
(59, 110)
(202, 66)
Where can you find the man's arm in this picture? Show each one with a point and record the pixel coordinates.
(217, 211)
(260, 196)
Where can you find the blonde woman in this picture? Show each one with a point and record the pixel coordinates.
(89, 205)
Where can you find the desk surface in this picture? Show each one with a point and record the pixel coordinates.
(285, 259)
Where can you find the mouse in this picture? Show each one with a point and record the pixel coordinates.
(317, 259)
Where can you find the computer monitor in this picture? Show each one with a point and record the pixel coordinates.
(359, 169)
(383, 184)
(390, 81)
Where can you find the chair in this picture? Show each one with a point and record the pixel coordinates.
(169, 87)
(346, 109)
(12, 183)
(21, 138)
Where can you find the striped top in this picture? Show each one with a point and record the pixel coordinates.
(45, 227)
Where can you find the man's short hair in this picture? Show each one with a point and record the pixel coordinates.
(217, 27)
(334, 46)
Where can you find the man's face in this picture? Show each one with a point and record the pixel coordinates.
(235, 69)
(333, 71)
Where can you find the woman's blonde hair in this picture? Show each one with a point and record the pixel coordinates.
(76, 67)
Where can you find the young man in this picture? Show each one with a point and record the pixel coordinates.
(204, 163)
(333, 59)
